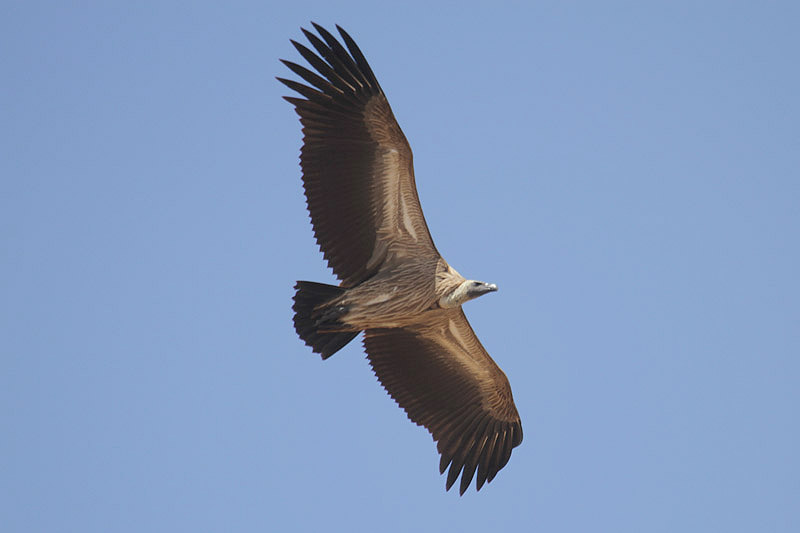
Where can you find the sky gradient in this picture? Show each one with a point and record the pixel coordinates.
(628, 175)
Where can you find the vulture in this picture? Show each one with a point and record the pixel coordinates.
(358, 179)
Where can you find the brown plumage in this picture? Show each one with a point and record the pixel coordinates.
(358, 178)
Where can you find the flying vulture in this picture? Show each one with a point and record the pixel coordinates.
(394, 286)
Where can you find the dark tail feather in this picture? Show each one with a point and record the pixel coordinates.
(311, 324)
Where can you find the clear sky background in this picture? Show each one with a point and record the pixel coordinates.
(627, 173)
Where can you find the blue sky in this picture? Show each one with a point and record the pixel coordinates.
(626, 173)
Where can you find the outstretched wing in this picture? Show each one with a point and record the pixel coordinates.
(445, 380)
(357, 166)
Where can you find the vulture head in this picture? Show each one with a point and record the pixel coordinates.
(468, 290)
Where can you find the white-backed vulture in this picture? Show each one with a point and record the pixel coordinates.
(394, 286)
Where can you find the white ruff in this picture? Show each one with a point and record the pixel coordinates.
(457, 297)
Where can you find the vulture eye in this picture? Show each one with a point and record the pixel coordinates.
(476, 283)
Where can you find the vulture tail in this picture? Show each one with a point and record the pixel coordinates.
(315, 325)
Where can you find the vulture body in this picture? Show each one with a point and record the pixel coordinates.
(394, 286)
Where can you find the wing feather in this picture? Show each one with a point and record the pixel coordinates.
(446, 381)
(357, 166)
